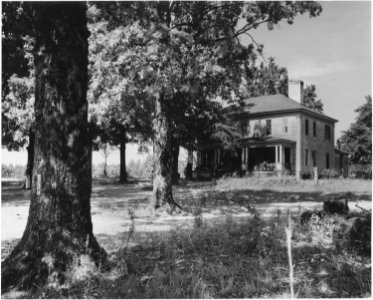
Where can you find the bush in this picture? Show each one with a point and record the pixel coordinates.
(265, 166)
(355, 234)
(360, 171)
(359, 236)
(329, 174)
(13, 171)
(307, 174)
(143, 169)
(98, 170)
(336, 206)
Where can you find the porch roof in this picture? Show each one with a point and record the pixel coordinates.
(268, 140)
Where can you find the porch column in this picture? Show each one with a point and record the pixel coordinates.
(282, 160)
(247, 158)
(276, 151)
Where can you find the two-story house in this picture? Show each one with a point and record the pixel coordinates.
(281, 132)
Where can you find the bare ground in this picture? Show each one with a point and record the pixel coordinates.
(112, 203)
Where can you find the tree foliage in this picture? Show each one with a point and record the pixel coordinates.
(18, 112)
(357, 140)
(17, 73)
(264, 79)
(310, 98)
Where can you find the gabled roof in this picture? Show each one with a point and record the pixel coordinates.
(274, 104)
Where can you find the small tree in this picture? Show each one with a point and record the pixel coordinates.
(310, 98)
(122, 116)
(357, 140)
(265, 79)
(18, 80)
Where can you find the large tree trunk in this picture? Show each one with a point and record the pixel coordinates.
(175, 161)
(189, 166)
(30, 159)
(123, 171)
(162, 148)
(58, 244)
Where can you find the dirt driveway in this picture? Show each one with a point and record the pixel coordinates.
(111, 206)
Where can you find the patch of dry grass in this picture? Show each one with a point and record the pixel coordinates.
(290, 184)
(231, 260)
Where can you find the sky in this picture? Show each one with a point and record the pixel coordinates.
(332, 51)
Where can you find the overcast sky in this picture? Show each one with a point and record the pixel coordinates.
(332, 51)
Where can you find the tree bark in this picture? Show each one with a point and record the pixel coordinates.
(105, 150)
(123, 171)
(189, 166)
(30, 158)
(175, 161)
(58, 245)
(162, 148)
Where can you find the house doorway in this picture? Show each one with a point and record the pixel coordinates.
(287, 158)
(259, 155)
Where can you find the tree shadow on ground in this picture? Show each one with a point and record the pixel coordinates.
(244, 197)
(231, 260)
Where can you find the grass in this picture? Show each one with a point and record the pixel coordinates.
(231, 259)
(290, 184)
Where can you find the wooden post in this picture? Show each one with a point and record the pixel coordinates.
(316, 175)
(27, 182)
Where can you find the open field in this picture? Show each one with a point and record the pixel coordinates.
(229, 242)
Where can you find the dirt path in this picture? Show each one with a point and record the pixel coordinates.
(111, 205)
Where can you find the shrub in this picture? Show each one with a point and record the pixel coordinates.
(265, 166)
(329, 174)
(359, 235)
(339, 206)
(360, 171)
(355, 234)
(98, 170)
(12, 171)
(307, 174)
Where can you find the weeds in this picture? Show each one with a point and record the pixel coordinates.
(247, 259)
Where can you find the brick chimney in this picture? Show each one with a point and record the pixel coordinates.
(296, 90)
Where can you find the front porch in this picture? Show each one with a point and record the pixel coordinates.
(254, 156)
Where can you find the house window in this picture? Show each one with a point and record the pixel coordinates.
(244, 128)
(268, 127)
(314, 128)
(257, 131)
(306, 127)
(306, 157)
(327, 132)
(327, 162)
(285, 125)
(314, 158)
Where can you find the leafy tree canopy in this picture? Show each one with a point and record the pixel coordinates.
(310, 98)
(264, 79)
(357, 140)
